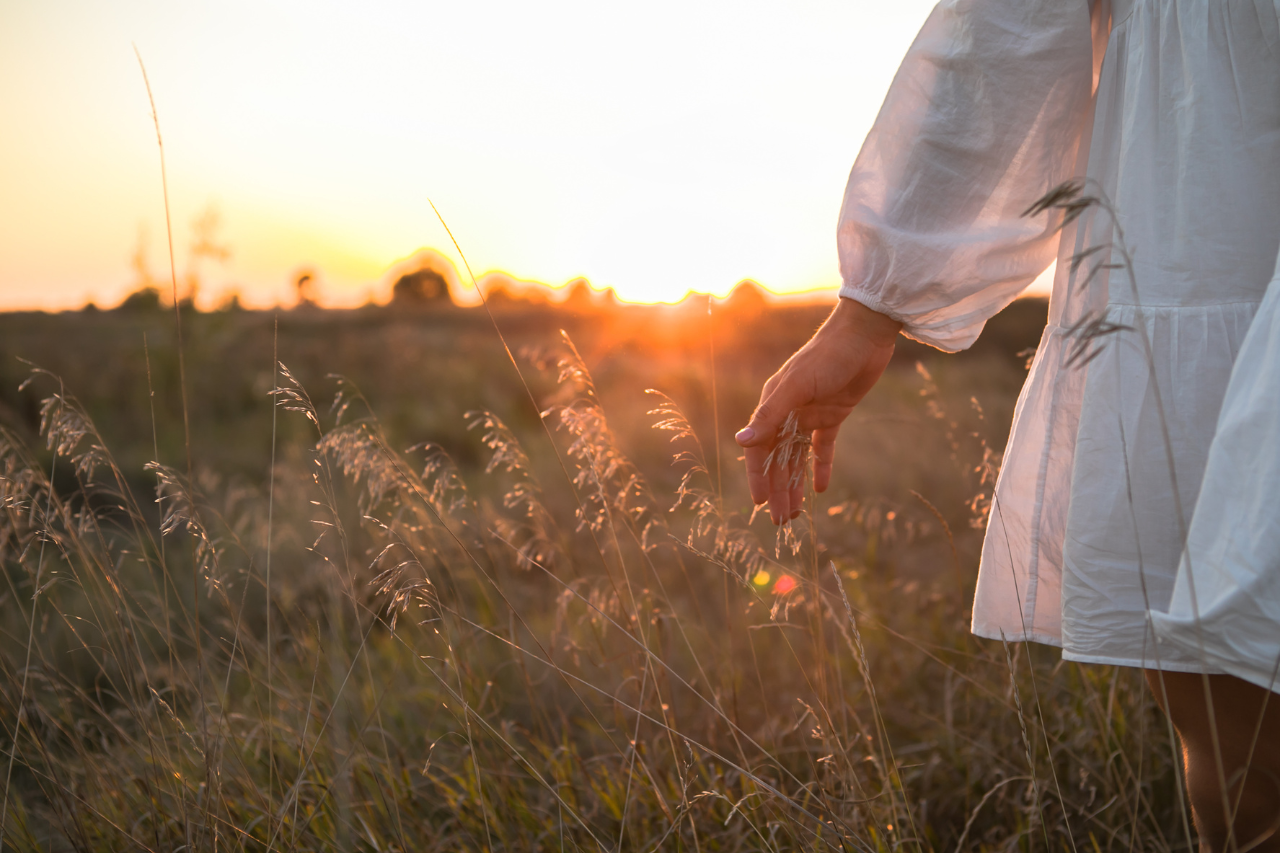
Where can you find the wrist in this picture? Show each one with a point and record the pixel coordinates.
(852, 317)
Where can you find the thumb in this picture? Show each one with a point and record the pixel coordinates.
(769, 415)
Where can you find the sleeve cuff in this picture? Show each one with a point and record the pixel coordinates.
(871, 301)
(951, 335)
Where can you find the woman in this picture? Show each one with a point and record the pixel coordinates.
(1100, 528)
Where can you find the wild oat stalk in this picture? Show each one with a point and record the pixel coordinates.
(733, 547)
(791, 452)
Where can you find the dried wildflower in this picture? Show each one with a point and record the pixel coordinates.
(608, 483)
(403, 581)
(70, 433)
(294, 398)
(365, 459)
(791, 452)
(179, 513)
(733, 548)
(1087, 333)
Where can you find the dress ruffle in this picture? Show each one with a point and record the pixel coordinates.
(1124, 417)
(1225, 605)
(1105, 463)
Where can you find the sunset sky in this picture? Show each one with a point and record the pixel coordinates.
(653, 148)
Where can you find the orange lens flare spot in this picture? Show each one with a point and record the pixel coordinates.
(785, 584)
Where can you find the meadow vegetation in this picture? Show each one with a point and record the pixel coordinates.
(392, 594)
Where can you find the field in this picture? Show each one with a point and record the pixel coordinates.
(428, 601)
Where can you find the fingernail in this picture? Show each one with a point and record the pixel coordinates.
(745, 434)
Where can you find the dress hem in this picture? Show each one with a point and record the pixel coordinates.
(1138, 663)
(1108, 660)
(1020, 637)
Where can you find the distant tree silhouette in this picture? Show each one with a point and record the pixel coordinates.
(304, 286)
(423, 287)
(143, 279)
(500, 294)
(579, 297)
(205, 246)
(143, 299)
(747, 299)
(501, 289)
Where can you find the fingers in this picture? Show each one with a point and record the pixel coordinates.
(775, 405)
(796, 497)
(757, 479)
(786, 494)
(824, 454)
(784, 499)
(780, 396)
(774, 486)
(779, 494)
(759, 438)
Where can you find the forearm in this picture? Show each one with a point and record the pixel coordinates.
(851, 317)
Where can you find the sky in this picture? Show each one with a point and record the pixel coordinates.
(655, 148)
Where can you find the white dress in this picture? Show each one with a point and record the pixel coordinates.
(1171, 108)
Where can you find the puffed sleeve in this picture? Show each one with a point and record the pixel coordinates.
(984, 116)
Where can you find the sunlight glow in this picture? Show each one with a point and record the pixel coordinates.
(562, 140)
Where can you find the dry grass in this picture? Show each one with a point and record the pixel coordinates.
(536, 650)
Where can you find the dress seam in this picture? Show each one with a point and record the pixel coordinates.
(1147, 307)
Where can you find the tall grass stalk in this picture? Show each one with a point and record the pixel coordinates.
(182, 384)
(466, 626)
(173, 267)
(452, 654)
(271, 508)
(26, 666)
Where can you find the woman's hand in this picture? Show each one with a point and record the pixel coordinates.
(822, 381)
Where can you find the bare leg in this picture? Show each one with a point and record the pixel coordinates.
(1248, 726)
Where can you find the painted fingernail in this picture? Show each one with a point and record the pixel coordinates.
(745, 434)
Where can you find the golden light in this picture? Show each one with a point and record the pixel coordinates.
(562, 140)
